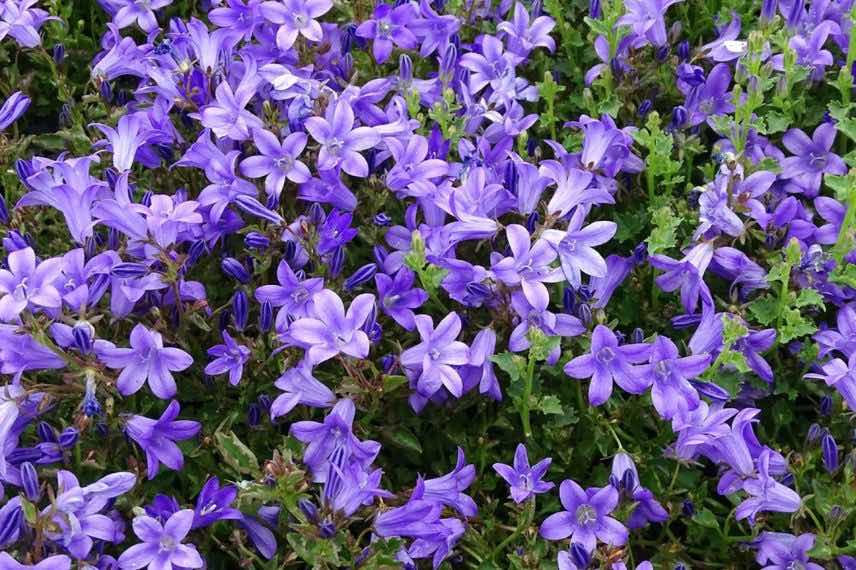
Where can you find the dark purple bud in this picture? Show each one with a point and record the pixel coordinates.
(620, 337)
(24, 169)
(225, 319)
(59, 54)
(266, 317)
(511, 177)
(235, 269)
(836, 514)
(616, 68)
(679, 117)
(477, 291)
(825, 405)
(686, 321)
(106, 91)
(347, 38)
(387, 362)
(254, 415)
(829, 450)
(65, 115)
(272, 202)
(380, 254)
(90, 247)
(531, 222)
(687, 508)
(815, 432)
(637, 336)
(382, 219)
(448, 62)
(265, 402)
(10, 526)
(662, 52)
(595, 12)
(316, 214)
(240, 309)
(796, 13)
(68, 437)
(84, 336)
(569, 300)
(309, 510)
(337, 262)
(252, 206)
(46, 432)
(327, 529)
(584, 314)
(4, 211)
(129, 270)
(645, 107)
(711, 390)
(22, 454)
(360, 276)
(195, 252)
(580, 556)
(684, 50)
(30, 481)
(585, 293)
(628, 480)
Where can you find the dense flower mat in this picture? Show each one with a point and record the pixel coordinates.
(509, 284)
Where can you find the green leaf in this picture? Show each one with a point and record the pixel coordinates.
(551, 405)
(809, 298)
(663, 236)
(511, 364)
(405, 438)
(706, 518)
(392, 382)
(236, 454)
(764, 310)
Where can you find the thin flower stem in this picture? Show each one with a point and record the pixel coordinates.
(525, 521)
(527, 394)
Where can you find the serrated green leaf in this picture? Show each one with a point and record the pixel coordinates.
(511, 364)
(236, 454)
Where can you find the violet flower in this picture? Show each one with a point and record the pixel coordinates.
(228, 357)
(293, 295)
(388, 27)
(157, 437)
(524, 482)
(19, 19)
(575, 247)
(139, 11)
(528, 267)
(646, 18)
(841, 376)
(296, 17)
(340, 142)
(214, 503)
(147, 360)
(299, 386)
(26, 284)
(278, 161)
(12, 109)
(449, 488)
(626, 479)
(766, 494)
(161, 545)
(781, 551)
(398, 296)
(813, 157)
(228, 118)
(586, 517)
(608, 362)
(56, 562)
(525, 35)
(436, 355)
(668, 374)
(329, 330)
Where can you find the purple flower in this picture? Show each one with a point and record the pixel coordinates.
(214, 504)
(125, 140)
(813, 157)
(668, 374)
(449, 489)
(228, 118)
(238, 16)
(139, 11)
(398, 297)
(388, 26)
(26, 284)
(329, 330)
(433, 29)
(523, 35)
(575, 248)
(524, 481)
(278, 161)
(782, 551)
(157, 437)
(58, 562)
(20, 20)
(436, 355)
(843, 339)
(841, 376)
(413, 172)
(528, 267)
(147, 360)
(608, 362)
(293, 295)
(646, 507)
(766, 494)
(686, 274)
(300, 387)
(712, 97)
(296, 17)
(161, 545)
(333, 436)
(12, 109)
(335, 232)
(646, 18)
(228, 357)
(586, 517)
(340, 141)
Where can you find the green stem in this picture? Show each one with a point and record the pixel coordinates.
(841, 244)
(527, 394)
(524, 523)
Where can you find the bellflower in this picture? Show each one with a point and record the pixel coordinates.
(388, 27)
(293, 295)
(647, 508)
(575, 247)
(157, 437)
(524, 482)
(12, 109)
(139, 11)
(525, 35)
(766, 494)
(841, 376)
(278, 161)
(449, 489)
(147, 360)
(780, 551)
(228, 117)
(296, 17)
(586, 517)
(608, 362)
(161, 545)
(19, 19)
(668, 374)
(56, 562)
(528, 266)
(686, 274)
(329, 330)
(214, 504)
(842, 339)
(228, 357)
(340, 142)
(28, 284)
(647, 18)
(398, 297)
(300, 387)
(812, 158)
(436, 355)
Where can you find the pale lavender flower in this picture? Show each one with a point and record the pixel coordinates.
(161, 546)
(228, 117)
(299, 386)
(436, 355)
(766, 494)
(686, 274)
(783, 551)
(278, 161)
(575, 247)
(668, 373)
(139, 11)
(813, 157)
(147, 360)
(124, 140)
(12, 109)
(528, 267)
(19, 19)
(296, 17)
(57, 562)
(228, 357)
(340, 142)
(525, 35)
(586, 517)
(388, 27)
(449, 488)
(646, 18)
(329, 330)
(524, 482)
(841, 376)
(27, 284)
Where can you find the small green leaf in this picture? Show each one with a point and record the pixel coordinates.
(236, 454)
(511, 364)
(405, 438)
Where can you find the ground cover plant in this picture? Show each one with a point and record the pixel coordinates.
(484, 284)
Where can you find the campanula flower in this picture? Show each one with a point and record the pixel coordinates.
(842, 339)
(436, 355)
(295, 17)
(586, 517)
(813, 157)
(19, 19)
(575, 247)
(139, 11)
(12, 109)
(647, 508)
(528, 265)
(449, 489)
(340, 141)
(398, 297)
(647, 18)
(779, 551)
(278, 161)
(608, 362)
(329, 330)
(686, 274)
(147, 360)
(162, 545)
(214, 503)
(524, 482)
(766, 494)
(526, 33)
(157, 437)
(28, 284)
(840, 375)
(228, 357)
(57, 562)
(228, 117)
(668, 374)
(388, 27)
(299, 386)
(293, 295)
